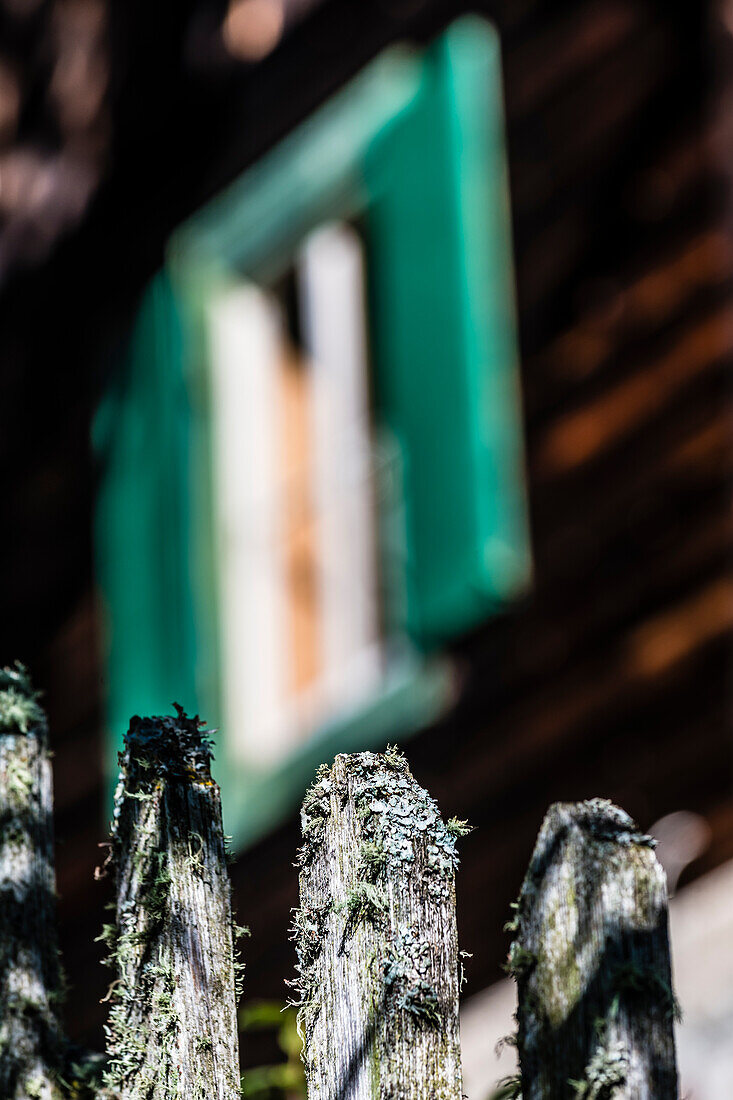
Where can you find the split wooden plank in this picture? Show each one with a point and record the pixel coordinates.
(376, 936)
(172, 1032)
(32, 1046)
(592, 963)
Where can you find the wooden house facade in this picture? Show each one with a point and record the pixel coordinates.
(610, 675)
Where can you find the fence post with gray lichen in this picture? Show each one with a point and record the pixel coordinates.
(376, 939)
(591, 960)
(172, 1031)
(32, 1048)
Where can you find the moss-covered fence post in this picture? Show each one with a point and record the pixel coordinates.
(32, 1049)
(378, 960)
(591, 959)
(172, 1032)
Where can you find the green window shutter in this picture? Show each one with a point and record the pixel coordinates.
(444, 337)
(143, 517)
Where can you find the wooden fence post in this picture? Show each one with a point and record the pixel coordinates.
(172, 1031)
(591, 959)
(376, 936)
(32, 1048)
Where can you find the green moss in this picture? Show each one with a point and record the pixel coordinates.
(421, 1001)
(407, 968)
(364, 902)
(19, 781)
(194, 859)
(314, 813)
(605, 1073)
(393, 757)
(108, 936)
(19, 706)
(373, 859)
(239, 932)
(307, 933)
(512, 925)
(520, 962)
(458, 827)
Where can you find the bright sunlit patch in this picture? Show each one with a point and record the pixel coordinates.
(296, 540)
(252, 28)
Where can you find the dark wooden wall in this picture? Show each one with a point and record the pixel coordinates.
(611, 679)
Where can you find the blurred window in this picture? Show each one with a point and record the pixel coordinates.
(311, 459)
(293, 498)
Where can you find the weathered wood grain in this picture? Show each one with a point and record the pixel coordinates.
(172, 1032)
(591, 959)
(32, 1048)
(376, 937)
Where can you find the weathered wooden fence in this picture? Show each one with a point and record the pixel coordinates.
(591, 960)
(375, 936)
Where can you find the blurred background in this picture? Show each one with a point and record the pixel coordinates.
(365, 380)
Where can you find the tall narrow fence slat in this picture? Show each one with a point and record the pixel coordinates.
(172, 1032)
(376, 936)
(31, 1042)
(591, 959)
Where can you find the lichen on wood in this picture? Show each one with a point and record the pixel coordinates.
(591, 960)
(32, 1048)
(378, 962)
(172, 1030)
